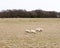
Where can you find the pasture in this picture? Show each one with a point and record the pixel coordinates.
(13, 35)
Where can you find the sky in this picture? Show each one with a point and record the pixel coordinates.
(48, 5)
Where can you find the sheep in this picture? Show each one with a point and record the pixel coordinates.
(27, 30)
(39, 29)
(33, 31)
(30, 31)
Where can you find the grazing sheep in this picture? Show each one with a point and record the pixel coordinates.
(27, 30)
(30, 31)
(39, 29)
(33, 31)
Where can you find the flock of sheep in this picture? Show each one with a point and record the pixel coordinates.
(34, 30)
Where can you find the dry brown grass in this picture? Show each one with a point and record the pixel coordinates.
(13, 35)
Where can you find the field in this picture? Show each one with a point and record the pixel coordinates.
(13, 35)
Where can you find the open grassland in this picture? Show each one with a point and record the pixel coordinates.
(13, 35)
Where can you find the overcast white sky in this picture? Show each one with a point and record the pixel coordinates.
(51, 5)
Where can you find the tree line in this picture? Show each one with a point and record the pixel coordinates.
(29, 14)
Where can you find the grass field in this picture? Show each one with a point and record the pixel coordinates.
(13, 35)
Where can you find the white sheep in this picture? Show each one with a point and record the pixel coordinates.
(33, 31)
(39, 29)
(27, 30)
(30, 31)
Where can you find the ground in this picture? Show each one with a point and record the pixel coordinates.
(13, 35)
